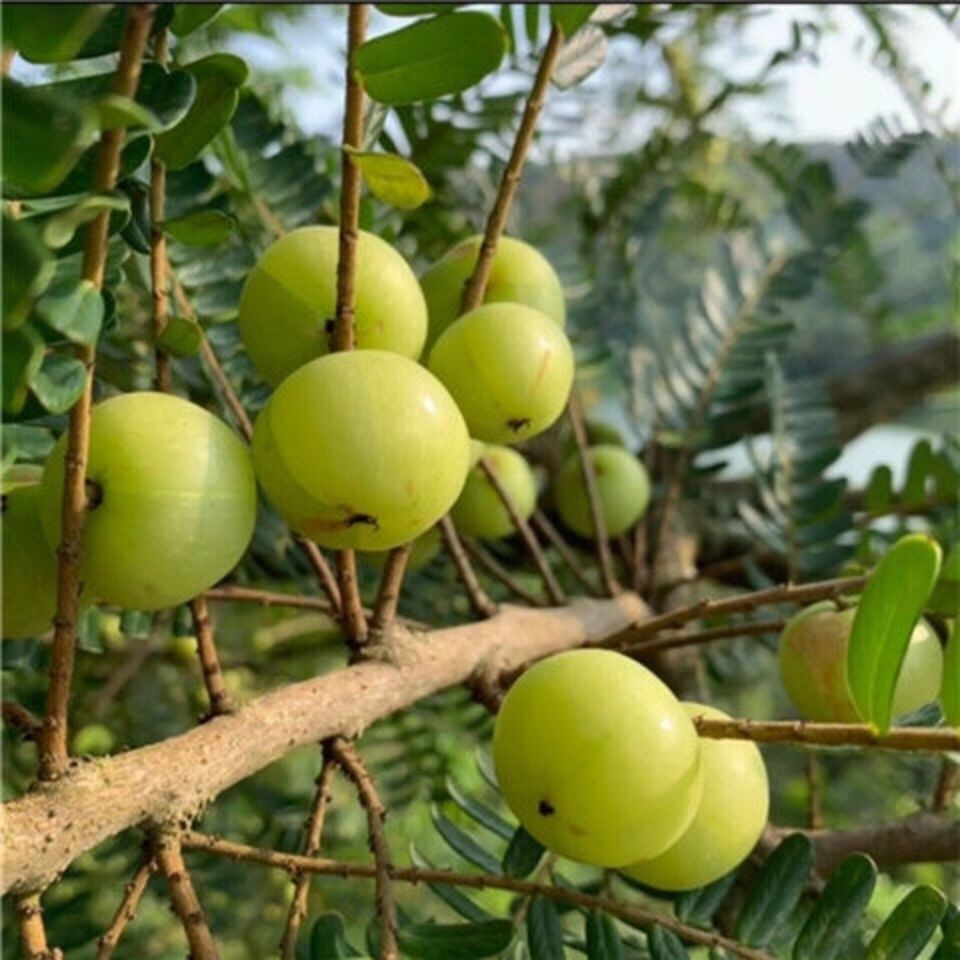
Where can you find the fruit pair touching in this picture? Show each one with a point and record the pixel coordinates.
(602, 764)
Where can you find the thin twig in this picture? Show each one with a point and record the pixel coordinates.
(344, 754)
(132, 894)
(22, 720)
(692, 638)
(33, 934)
(167, 850)
(543, 524)
(482, 605)
(932, 739)
(219, 697)
(495, 569)
(579, 428)
(126, 670)
(322, 571)
(948, 782)
(311, 844)
(476, 286)
(529, 538)
(344, 336)
(158, 246)
(712, 607)
(478, 881)
(53, 738)
(811, 773)
(388, 594)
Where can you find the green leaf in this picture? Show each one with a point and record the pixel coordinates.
(395, 180)
(59, 229)
(949, 948)
(945, 598)
(918, 470)
(837, 910)
(665, 945)
(74, 309)
(482, 814)
(464, 844)
(135, 623)
(415, 9)
(583, 53)
(544, 930)
(51, 32)
(42, 136)
(219, 78)
(27, 269)
(328, 939)
(603, 938)
(80, 179)
(570, 17)
(107, 37)
(699, 906)
(455, 941)
(188, 17)
(522, 854)
(22, 355)
(182, 337)
(59, 382)
(431, 58)
(890, 605)
(950, 684)
(450, 895)
(909, 928)
(775, 891)
(878, 494)
(204, 228)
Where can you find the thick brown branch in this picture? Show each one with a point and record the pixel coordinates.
(169, 856)
(543, 524)
(486, 561)
(132, 895)
(33, 934)
(529, 538)
(53, 736)
(311, 845)
(343, 752)
(480, 603)
(708, 607)
(220, 701)
(388, 594)
(579, 428)
(50, 826)
(477, 284)
(346, 870)
(830, 734)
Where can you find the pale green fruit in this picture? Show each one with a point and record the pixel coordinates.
(597, 758)
(813, 665)
(29, 565)
(363, 450)
(509, 368)
(424, 549)
(289, 301)
(623, 485)
(520, 274)
(728, 822)
(173, 501)
(94, 739)
(480, 512)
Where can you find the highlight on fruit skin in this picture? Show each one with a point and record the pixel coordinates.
(289, 301)
(597, 758)
(813, 665)
(510, 369)
(622, 483)
(729, 820)
(173, 501)
(520, 274)
(29, 563)
(362, 450)
(479, 511)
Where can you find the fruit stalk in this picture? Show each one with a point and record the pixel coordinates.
(482, 605)
(477, 284)
(477, 881)
(311, 845)
(53, 736)
(220, 701)
(21, 719)
(579, 428)
(132, 895)
(691, 638)
(488, 562)
(542, 522)
(346, 756)
(158, 247)
(168, 852)
(554, 590)
(388, 593)
(934, 739)
(33, 935)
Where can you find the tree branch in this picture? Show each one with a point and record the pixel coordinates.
(50, 826)
(543, 524)
(388, 593)
(219, 697)
(22, 720)
(132, 895)
(481, 604)
(344, 753)
(33, 935)
(346, 870)
(691, 638)
(53, 736)
(487, 562)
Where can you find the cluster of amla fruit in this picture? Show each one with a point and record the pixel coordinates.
(363, 449)
(602, 764)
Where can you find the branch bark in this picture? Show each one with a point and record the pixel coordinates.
(53, 736)
(48, 828)
(213, 681)
(132, 895)
(33, 934)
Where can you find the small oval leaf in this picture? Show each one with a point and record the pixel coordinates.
(204, 228)
(395, 180)
(464, 844)
(909, 928)
(522, 855)
(603, 938)
(59, 382)
(666, 945)
(570, 17)
(74, 309)
(544, 930)
(580, 56)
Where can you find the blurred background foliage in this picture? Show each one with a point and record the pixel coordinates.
(719, 285)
